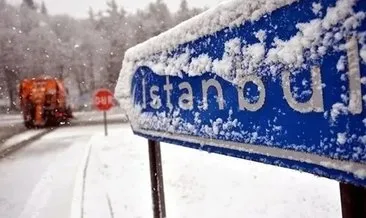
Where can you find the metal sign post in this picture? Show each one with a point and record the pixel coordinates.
(353, 200)
(105, 123)
(156, 176)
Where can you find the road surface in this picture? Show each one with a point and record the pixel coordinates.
(11, 124)
(38, 181)
(89, 116)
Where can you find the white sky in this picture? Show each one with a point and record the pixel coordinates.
(79, 8)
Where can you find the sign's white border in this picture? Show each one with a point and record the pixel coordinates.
(357, 169)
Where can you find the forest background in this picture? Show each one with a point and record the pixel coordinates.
(86, 53)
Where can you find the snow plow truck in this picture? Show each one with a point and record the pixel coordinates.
(43, 102)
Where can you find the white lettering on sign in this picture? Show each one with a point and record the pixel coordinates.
(143, 93)
(156, 101)
(244, 104)
(103, 100)
(168, 88)
(206, 84)
(354, 78)
(315, 103)
(186, 99)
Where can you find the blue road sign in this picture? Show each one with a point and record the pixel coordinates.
(286, 87)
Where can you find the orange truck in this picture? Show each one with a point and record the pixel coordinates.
(43, 102)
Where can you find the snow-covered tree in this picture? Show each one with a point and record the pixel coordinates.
(87, 53)
(29, 19)
(11, 38)
(184, 12)
(114, 28)
(44, 8)
(158, 18)
(30, 4)
(40, 53)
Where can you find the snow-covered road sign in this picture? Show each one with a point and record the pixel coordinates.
(281, 82)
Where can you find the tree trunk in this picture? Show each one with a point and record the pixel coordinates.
(61, 73)
(91, 73)
(10, 79)
(80, 80)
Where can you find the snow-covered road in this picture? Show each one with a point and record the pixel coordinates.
(38, 180)
(46, 179)
(83, 116)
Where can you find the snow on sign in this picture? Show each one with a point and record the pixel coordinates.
(281, 82)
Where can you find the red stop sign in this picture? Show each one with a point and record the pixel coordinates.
(103, 99)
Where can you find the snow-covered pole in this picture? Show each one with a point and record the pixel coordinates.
(157, 183)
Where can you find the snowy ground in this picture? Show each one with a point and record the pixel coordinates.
(198, 184)
(38, 180)
(19, 138)
(46, 179)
